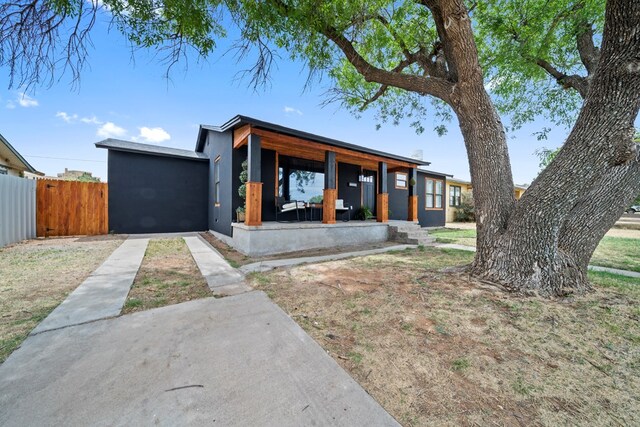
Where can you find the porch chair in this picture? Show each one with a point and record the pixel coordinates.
(343, 209)
(283, 206)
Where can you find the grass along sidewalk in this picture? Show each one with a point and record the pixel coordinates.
(168, 275)
(37, 276)
(435, 348)
(614, 252)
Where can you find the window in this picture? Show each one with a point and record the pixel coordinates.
(454, 195)
(401, 180)
(433, 193)
(216, 181)
(3, 170)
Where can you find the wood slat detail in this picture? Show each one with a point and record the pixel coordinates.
(71, 208)
(382, 209)
(413, 209)
(241, 135)
(290, 145)
(253, 213)
(329, 196)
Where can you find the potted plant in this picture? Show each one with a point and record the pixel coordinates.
(363, 213)
(242, 191)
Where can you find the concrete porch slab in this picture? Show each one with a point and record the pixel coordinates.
(236, 361)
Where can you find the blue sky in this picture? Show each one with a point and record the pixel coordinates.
(130, 99)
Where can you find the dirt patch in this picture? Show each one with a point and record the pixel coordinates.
(37, 276)
(168, 275)
(237, 259)
(435, 348)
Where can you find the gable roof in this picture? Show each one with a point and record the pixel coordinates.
(157, 150)
(14, 157)
(239, 120)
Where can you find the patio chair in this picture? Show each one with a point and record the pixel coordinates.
(283, 206)
(343, 209)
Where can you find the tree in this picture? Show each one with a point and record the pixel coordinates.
(538, 57)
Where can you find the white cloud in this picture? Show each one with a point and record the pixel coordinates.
(26, 101)
(110, 130)
(153, 134)
(11, 105)
(91, 120)
(291, 110)
(67, 117)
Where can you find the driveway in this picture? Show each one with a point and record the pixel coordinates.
(239, 360)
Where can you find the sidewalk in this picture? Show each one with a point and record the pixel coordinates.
(103, 293)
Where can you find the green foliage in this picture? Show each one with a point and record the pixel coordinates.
(242, 190)
(546, 156)
(316, 199)
(466, 211)
(363, 213)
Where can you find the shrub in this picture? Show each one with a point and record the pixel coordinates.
(466, 211)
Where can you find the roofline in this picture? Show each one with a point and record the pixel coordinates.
(241, 120)
(435, 172)
(22, 159)
(105, 144)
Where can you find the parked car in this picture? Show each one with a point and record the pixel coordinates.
(633, 209)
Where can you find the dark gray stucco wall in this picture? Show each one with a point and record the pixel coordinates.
(220, 214)
(430, 218)
(352, 196)
(156, 194)
(398, 199)
(268, 164)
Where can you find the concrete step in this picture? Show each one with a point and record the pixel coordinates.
(410, 233)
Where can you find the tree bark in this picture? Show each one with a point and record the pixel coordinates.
(538, 251)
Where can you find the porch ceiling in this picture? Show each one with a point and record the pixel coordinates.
(311, 150)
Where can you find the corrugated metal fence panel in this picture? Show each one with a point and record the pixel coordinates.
(17, 209)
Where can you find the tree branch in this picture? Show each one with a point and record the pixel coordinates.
(434, 86)
(589, 53)
(574, 81)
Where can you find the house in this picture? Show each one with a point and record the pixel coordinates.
(162, 189)
(75, 175)
(11, 162)
(457, 189)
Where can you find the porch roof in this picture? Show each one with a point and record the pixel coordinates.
(243, 122)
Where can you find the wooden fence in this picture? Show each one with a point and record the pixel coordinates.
(71, 208)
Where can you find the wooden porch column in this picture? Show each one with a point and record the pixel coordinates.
(330, 193)
(413, 196)
(382, 199)
(254, 182)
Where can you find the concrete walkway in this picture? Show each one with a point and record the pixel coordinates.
(103, 293)
(270, 265)
(626, 273)
(236, 361)
(220, 276)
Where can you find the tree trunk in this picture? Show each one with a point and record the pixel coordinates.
(539, 249)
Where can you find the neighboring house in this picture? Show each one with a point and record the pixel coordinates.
(458, 188)
(161, 189)
(12, 163)
(73, 175)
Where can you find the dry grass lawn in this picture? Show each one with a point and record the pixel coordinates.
(435, 348)
(168, 275)
(36, 276)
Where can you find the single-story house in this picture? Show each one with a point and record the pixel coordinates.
(11, 162)
(160, 189)
(458, 188)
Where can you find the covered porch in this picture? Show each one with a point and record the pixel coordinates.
(319, 173)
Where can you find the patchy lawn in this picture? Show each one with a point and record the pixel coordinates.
(168, 275)
(615, 252)
(38, 275)
(437, 349)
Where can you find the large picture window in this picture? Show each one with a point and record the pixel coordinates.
(216, 181)
(433, 193)
(455, 191)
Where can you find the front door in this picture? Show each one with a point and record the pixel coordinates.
(369, 190)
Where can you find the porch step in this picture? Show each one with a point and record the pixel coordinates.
(409, 233)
